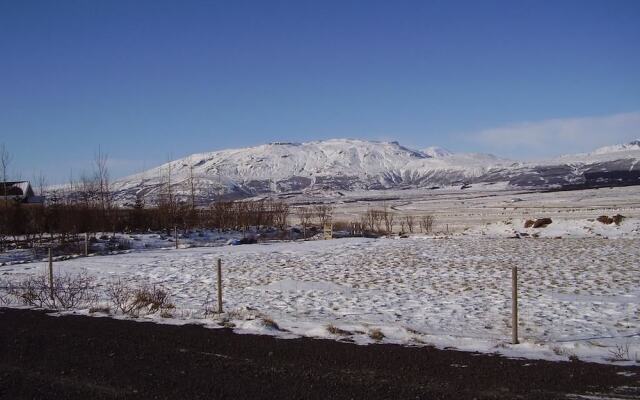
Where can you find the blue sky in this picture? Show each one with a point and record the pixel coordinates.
(149, 80)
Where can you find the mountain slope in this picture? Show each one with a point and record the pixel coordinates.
(436, 152)
(347, 164)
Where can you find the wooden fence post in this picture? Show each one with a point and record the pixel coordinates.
(175, 234)
(51, 275)
(514, 305)
(219, 286)
(86, 244)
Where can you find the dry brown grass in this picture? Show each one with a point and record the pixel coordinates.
(376, 334)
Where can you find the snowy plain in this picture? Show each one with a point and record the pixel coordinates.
(579, 297)
(579, 280)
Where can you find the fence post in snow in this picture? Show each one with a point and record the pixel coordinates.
(219, 286)
(175, 234)
(51, 275)
(86, 244)
(514, 305)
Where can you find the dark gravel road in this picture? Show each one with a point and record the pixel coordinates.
(74, 357)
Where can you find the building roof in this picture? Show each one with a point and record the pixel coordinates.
(15, 188)
(19, 190)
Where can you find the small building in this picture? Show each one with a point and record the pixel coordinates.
(19, 191)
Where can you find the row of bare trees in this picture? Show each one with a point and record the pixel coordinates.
(307, 215)
(87, 204)
(66, 221)
(383, 221)
(242, 215)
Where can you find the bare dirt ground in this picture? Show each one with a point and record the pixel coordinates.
(76, 357)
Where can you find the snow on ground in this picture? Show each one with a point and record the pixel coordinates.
(110, 243)
(456, 210)
(581, 228)
(578, 297)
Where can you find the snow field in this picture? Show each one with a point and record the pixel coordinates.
(577, 297)
(560, 228)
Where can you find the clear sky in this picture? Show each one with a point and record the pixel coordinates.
(148, 80)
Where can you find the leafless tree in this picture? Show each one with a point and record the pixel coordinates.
(305, 215)
(373, 220)
(166, 200)
(5, 160)
(87, 190)
(364, 222)
(357, 228)
(102, 177)
(410, 221)
(426, 223)
(324, 213)
(41, 182)
(192, 188)
(388, 218)
(378, 219)
(280, 214)
(368, 220)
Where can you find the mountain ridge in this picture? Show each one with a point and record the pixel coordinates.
(355, 164)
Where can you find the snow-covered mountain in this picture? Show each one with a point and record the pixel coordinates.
(436, 152)
(348, 164)
(631, 146)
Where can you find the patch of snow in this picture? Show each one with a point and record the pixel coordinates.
(437, 152)
(578, 297)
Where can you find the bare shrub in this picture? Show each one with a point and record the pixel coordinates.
(620, 353)
(121, 296)
(74, 290)
(271, 324)
(152, 300)
(426, 223)
(100, 309)
(134, 301)
(334, 330)
(376, 334)
(5, 292)
(33, 291)
(342, 226)
(70, 291)
(116, 244)
(210, 307)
